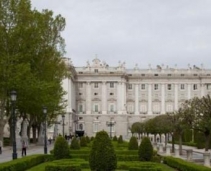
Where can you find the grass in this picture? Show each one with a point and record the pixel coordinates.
(118, 147)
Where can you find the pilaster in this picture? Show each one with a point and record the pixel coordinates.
(163, 111)
(136, 99)
(149, 99)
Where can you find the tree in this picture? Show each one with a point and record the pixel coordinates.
(75, 145)
(133, 143)
(145, 151)
(83, 142)
(61, 148)
(199, 114)
(31, 48)
(102, 155)
(120, 139)
(138, 128)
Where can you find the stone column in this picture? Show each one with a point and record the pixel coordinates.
(189, 91)
(163, 111)
(88, 98)
(202, 90)
(24, 136)
(136, 99)
(176, 152)
(160, 148)
(168, 150)
(104, 98)
(189, 154)
(119, 97)
(149, 99)
(206, 159)
(175, 96)
(123, 102)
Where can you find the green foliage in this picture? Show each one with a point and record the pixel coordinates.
(133, 143)
(102, 155)
(182, 165)
(92, 139)
(25, 163)
(83, 142)
(75, 144)
(61, 148)
(87, 139)
(115, 138)
(145, 151)
(120, 139)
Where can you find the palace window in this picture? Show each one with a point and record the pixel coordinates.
(111, 85)
(130, 86)
(95, 126)
(95, 108)
(80, 108)
(111, 108)
(95, 85)
(194, 86)
(169, 86)
(155, 86)
(182, 86)
(96, 70)
(80, 85)
(143, 86)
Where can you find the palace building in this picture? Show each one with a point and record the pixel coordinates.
(103, 97)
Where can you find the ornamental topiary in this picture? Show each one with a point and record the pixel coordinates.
(102, 154)
(61, 148)
(75, 145)
(87, 139)
(115, 138)
(120, 139)
(145, 151)
(133, 143)
(83, 142)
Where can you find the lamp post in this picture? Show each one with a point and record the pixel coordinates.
(45, 132)
(63, 117)
(110, 124)
(13, 95)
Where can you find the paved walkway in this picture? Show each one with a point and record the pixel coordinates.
(32, 149)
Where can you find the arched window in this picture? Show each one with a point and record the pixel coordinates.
(81, 126)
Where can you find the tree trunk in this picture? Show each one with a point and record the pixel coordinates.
(2, 125)
(34, 135)
(207, 141)
(155, 141)
(160, 138)
(165, 140)
(172, 143)
(180, 144)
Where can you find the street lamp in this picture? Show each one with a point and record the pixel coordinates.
(110, 124)
(45, 132)
(13, 95)
(63, 117)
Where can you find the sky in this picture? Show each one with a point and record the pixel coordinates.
(139, 32)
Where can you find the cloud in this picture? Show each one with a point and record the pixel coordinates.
(134, 31)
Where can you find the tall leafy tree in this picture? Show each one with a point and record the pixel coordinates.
(31, 47)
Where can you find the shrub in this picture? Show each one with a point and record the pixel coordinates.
(61, 148)
(120, 139)
(145, 151)
(83, 142)
(102, 155)
(133, 144)
(115, 138)
(75, 145)
(92, 139)
(87, 139)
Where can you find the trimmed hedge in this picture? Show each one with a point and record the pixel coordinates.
(145, 151)
(55, 167)
(61, 148)
(184, 165)
(133, 144)
(25, 163)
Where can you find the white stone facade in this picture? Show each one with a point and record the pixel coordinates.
(98, 93)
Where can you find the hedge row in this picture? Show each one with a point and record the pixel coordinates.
(53, 167)
(25, 163)
(139, 166)
(184, 165)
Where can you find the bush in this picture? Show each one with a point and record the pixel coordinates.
(182, 165)
(87, 139)
(115, 138)
(92, 139)
(133, 144)
(25, 163)
(102, 155)
(75, 145)
(120, 139)
(83, 142)
(145, 151)
(61, 148)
